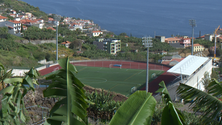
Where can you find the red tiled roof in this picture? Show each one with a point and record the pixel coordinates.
(197, 44)
(10, 27)
(2, 17)
(66, 42)
(202, 36)
(51, 28)
(14, 21)
(28, 21)
(186, 38)
(50, 19)
(172, 38)
(96, 31)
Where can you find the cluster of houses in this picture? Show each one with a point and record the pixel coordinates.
(26, 19)
(181, 42)
(15, 26)
(109, 45)
(86, 26)
(23, 20)
(184, 42)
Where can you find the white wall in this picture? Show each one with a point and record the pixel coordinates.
(197, 77)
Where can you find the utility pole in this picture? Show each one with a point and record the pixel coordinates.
(57, 18)
(147, 43)
(57, 41)
(193, 24)
(215, 41)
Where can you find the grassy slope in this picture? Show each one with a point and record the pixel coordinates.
(27, 55)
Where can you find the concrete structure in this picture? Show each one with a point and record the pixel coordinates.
(172, 40)
(171, 60)
(209, 37)
(37, 22)
(185, 42)
(66, 44)
(110, 45)
(192, 69)
(36, 42)
(198, 47)
(14, 26)
(77, 26)
(96, 33)
(161, 38)
(3, 19)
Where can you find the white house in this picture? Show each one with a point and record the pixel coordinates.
(14, 26)
(66, 44)
(2, 18)
(96, 33)
(77, 26)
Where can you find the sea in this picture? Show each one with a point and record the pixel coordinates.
(141, 17)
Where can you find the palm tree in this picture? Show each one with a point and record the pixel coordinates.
(209, 102)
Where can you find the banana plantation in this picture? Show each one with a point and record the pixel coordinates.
(73, 105)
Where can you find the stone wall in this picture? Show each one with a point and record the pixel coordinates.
(36, 42)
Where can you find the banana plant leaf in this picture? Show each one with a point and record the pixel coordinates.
(171, 115)
(72, 108)
(138, 109)
(13, 107)
(164, 92)
(210, 102)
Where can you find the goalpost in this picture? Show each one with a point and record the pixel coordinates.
(115, 65)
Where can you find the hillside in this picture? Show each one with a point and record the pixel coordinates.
(21, 6)
(14, 54)
(27, 55)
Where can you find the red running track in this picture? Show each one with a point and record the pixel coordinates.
(153, 86)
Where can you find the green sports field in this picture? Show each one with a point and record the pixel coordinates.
(114, 79)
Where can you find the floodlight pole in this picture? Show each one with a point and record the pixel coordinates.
(57, 18)
(56, 41)
(193, 24)
(147, 43)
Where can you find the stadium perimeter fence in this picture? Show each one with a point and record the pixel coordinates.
(120, 64)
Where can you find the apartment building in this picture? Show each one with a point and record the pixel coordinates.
(110, 45)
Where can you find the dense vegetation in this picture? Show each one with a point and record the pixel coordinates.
(16, 54)
(103, 106)
(34, 33)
